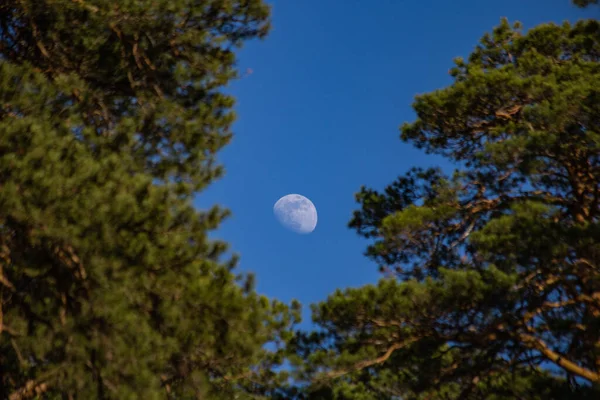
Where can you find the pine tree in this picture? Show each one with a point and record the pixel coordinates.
(585, 3)
(111, 115)
(493, 272)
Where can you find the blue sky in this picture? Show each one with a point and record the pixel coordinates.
(319, 116)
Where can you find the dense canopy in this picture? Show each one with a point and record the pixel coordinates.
(111, 114)
(493, 272)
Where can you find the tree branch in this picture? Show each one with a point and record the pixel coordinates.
(367, 363)
(88, 7)
(567, 365)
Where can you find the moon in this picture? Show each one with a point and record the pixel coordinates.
(297, 213)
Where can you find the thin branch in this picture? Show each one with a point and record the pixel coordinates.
(88, 7)
(4, 281)
(558, 359)
(367, 363)
(17, 352)
(587, 263)
(546, 306)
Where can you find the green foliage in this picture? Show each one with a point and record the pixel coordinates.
(493, 287)
(111, 115)
(585, 3)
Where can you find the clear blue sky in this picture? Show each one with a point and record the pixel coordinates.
(319, 116)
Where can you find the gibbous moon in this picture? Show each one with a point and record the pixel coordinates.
(297, 213)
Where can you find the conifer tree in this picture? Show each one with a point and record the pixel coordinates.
(111, 115)
(493, 272)
(585, 3)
